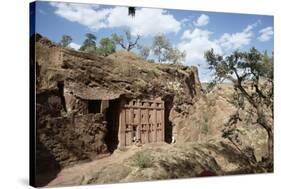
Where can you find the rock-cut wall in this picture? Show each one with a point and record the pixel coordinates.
(66, 80)
(63, 140)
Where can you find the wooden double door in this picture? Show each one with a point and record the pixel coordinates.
(141, 121)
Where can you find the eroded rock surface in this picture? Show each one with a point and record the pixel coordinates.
(68, 82)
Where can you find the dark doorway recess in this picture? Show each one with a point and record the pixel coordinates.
(94, 106)
(168, 124)
(60, 86)
(112, 118)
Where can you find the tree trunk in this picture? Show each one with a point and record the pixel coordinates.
(269, 129)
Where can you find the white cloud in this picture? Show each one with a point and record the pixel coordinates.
(196, 33)
(202, 20)
(237, 40)
(195, 43)
(146, 22)
(265, 34)
(184, 21)
(85, 14)
(74, 46)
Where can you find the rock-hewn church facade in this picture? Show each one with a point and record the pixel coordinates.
(141, 121)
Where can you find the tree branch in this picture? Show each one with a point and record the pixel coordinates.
(132, 45)
(121, 44)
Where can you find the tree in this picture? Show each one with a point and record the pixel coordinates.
(175, 56)
(107, 47)
(126, 42)
(144, 51)
(89, 45)
(248, 69)
(160, 46)
(151, 60)
(65, 41)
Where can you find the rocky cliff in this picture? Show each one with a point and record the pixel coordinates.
(67, 81)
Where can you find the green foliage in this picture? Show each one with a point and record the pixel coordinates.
(162, 49)
(160, 46)
(210, 86)
(143, 160)
(205, 123)
(107, 47)
(144, 51)
(89, 45)
(246, 69)
(118, 39)
(175, 56)
(126, 42)
(267, 65)
(252, 65)
(151, 61)
(65, 41)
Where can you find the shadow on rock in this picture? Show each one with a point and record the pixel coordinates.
(47, 167)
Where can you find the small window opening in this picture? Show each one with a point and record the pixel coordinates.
(94, 106)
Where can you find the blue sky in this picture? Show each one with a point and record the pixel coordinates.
(191, 31)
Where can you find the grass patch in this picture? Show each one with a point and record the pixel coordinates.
(143, 160)
(205, 123)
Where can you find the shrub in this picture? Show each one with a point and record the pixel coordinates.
(205, 123)
(151, 61)
(143, 160)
